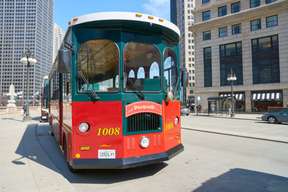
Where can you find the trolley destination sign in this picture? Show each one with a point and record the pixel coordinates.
(143, 107)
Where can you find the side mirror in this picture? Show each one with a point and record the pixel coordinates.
(165, 85)
(67, 88)
(64, 61)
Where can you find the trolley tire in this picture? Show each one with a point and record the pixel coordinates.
(51, 133)
(272, 120)
(65, 158)
(72, 169)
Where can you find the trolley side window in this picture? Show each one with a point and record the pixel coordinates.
(142, 67)
(170, 70)
(54, 94)
(98, 66)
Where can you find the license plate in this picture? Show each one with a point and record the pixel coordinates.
(106, 154)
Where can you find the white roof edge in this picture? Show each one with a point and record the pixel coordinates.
(129, 16)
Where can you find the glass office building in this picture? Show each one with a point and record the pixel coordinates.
(25, 24)
(182, 15)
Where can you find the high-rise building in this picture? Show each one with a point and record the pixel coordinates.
(182, 16)
(58, 36)
(246, 38)
(25, 24)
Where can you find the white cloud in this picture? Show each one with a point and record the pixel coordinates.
(160, 8)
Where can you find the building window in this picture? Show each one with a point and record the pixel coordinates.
(206, 35)
(205, 1)
(255, 3)
(269, 1)
(239, 100)
(265, 60)
(255, 25)
(222, 31)
(272, 21)
(206, 15)
(207, 57)
(231, 58)
(235, 7)
(236, 29)
(222, 11)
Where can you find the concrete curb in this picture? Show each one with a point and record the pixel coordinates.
(238, 118)
(237, 135)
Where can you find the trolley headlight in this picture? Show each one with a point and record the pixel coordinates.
(84, 127)
(145, 142)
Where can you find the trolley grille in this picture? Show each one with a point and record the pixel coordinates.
(143, 122)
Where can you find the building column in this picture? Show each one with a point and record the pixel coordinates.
(262, 2)
(215, 66)
(247, 59)
(285, 97)
(248, 105)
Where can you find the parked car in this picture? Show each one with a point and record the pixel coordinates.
(185, 111)
(276, 116)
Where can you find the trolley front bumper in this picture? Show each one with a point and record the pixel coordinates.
(126, 162)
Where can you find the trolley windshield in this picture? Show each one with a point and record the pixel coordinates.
(98, 62)
(110, 61)
(142, 67)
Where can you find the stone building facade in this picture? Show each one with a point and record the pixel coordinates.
(249, 38)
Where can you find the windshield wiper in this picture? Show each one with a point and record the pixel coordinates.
(92, 93)
(138, 92)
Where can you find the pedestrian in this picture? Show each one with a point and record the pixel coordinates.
(24, 110)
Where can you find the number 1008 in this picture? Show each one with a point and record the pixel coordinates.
(108, 132)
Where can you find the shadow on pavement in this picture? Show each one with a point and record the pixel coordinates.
(242, 180)
(267, 123)
(37, 118)
(39, 146)
(12, 119)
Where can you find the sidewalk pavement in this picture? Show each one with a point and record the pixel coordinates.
(242, 116)
(25, 166)
(255, 129)
(6, 112)
(19, 110)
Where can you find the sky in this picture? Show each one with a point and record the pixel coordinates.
(64, 10)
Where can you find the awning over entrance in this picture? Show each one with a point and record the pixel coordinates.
(238, 96)
(267, 96)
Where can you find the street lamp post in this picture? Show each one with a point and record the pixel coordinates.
(198, 99)
(27, 60)
(231, 78)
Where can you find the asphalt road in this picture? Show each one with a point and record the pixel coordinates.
(246, 128)
(31, 161)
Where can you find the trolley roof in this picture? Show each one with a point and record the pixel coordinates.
(124, 16)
